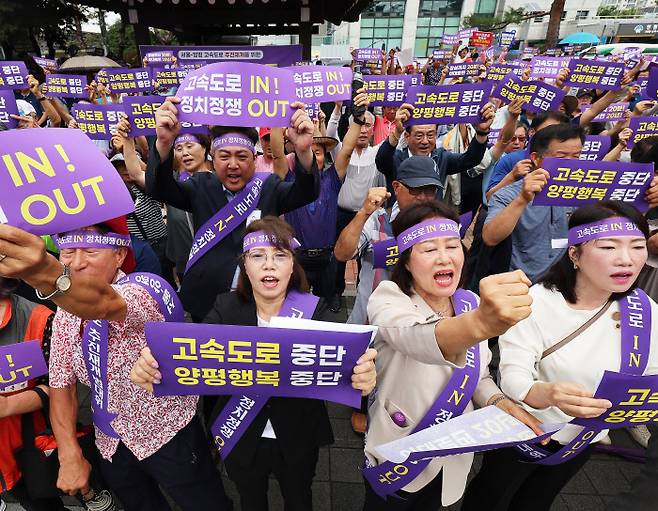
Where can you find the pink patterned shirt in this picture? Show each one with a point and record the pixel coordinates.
(144, 422)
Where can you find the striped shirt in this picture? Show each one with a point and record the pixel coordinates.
(149, 216)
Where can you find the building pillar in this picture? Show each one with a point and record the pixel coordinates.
(305, 30)
(409, 25)
(141, 30)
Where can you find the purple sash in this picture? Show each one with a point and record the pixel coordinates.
(388, 477)
(95, 344)
(635, 318)
(240, 411)
(227, 219)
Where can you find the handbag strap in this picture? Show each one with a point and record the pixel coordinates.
(576, 332)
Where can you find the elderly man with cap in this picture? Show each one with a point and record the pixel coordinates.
(146, 442)
(224, 201)
(265, 161)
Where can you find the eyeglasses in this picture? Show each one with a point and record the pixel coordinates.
(260, 258)
(421, 136)
(519, 138)
(429, 190)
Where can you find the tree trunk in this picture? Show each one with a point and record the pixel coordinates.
(553, 31)
(103, 27)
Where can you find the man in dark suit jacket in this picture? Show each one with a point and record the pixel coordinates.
(205, 193)
(421, 141)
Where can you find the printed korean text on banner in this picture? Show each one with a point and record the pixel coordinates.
(237, 94)
(635, 322)
(579, 182)
(613, 112)
(67, 86)
(387, 477)
(547, 67)
(312, 110)
(479, 38)
(241, 410)
(595, 147)
(464, 69)
(507, 38)
(19, 363)
(320, 84)
(99, 122)
(160, 58)
(480, 430)
(8, 108)
(101, 76)
(528, 52)
(439, 54)
(13, 74)
(494, 135)
(465, 33)
(130, 80)
(642, 127)
(49, 65)
(450, 39)
(169, 77)
(447, 104)
(141, 113)
(536, 95)
(595, 74)
(222, 223)
(366, 54)
(497, 72)
(278, 55)
(387, 90)
(56, 180)
(222, 359)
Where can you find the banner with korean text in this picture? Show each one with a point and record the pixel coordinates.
(447, 104)
(19, 363)
(276, 55)
(99, 122)
(536, 95)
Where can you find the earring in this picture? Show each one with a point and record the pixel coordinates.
(575, 266)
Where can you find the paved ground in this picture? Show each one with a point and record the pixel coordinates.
(338, 485)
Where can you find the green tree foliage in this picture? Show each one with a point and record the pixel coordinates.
(488, 23)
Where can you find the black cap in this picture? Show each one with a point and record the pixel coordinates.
(417, 171)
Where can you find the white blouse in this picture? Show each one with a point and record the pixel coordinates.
(581, 361)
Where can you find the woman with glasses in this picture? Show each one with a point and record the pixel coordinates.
(285, 436)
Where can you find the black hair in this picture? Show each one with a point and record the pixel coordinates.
(408, 128)
(552, 115)
(218, 131)
(645, 150)
(560, 132)
(562, 275)
(408, 218)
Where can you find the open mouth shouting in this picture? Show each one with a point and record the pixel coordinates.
(444, 278)
(269, 282)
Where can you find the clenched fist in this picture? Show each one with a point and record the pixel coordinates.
(375, 199)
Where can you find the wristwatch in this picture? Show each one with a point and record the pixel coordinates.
(62, 284)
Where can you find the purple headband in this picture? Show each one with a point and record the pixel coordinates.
(91, 239)
(427, 230)
(187, 137)
(608, 228)
(262, 239)
(232, 139)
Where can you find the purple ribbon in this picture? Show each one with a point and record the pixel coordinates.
(635, 312)
(388, 477)
(240, 411)
(608, 228)
(429, 229)
(91, 239)
(187, 137)
(262, 239)
(95, 344)
(232, 139)
(227, 219)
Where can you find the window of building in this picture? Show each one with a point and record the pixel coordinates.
(563, 16)
(581, 15)
(485, 7)
(438, 17)
(381, 24)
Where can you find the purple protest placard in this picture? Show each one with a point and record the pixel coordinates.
(169, 77)
(19, 363)
(464, 69)
(480, 430)
(67, 86)
(387, 90)
(99, 122)
(49, 65)
(279, 55)
(130, 80)
(507, 38)
(7, 108)
(439, 54)
(56, 180)
(366, 54)
(447, 104)
(101, 76)
(574, 183)
(466, 33)
(613, 112)
(651, 90)
(548, 67)
(158, 58)
(537, 96)
(13, 74)
(497, 72)
(634, 401)
(141, 113)
(528, 52)
(223, 359)
(642, 127)
(595, 147)
(450, 39)
(596, 74)
(237, 94)
(320, 84)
